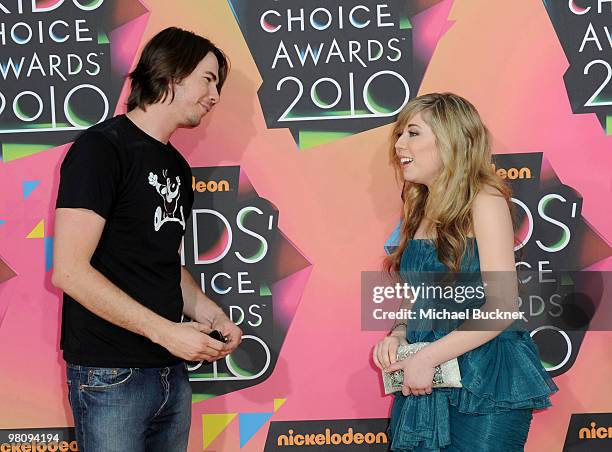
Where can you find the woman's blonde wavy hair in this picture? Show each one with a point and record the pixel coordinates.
(465, 150)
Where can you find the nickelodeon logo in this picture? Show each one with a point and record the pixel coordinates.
(589, 431)
(62, 446)
(202, 186)
(595, 432)
(328, 438)
(512, 173)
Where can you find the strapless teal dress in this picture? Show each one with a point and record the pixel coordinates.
(503, 382)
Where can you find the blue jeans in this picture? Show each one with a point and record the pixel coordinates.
(119, 409)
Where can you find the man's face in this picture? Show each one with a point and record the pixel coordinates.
(196, 94)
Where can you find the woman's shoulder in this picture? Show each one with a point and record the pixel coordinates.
(492, 223)
(488, 201)
(488, 191)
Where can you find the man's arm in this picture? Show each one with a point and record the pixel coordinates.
(203, 310)
(77, 233)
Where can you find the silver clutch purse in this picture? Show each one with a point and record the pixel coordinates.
(446, 375)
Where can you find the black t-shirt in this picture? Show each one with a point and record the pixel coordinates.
(142, 188)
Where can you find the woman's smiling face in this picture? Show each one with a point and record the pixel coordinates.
(418, 153)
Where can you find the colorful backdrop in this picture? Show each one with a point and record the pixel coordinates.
(294, 194)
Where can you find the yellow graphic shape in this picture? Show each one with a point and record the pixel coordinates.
(214, 424)
(38, 232)
(278, 403)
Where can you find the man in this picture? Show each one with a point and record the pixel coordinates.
(124, 199)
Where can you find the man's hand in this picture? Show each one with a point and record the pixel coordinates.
(229, 330)
(190, 342)
(199, 307)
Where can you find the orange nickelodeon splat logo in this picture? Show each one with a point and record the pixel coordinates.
(512, 173)
(595, 432)
(202, 186)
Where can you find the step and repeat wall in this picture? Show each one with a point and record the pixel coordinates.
(294, 196)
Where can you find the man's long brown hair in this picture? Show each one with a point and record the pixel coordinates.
(169, 57)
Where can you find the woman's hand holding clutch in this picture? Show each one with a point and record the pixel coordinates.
(418, 374)
(385, 352)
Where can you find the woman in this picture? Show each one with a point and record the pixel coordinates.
(456, 219)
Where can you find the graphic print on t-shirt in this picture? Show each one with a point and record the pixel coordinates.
(170, 194)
